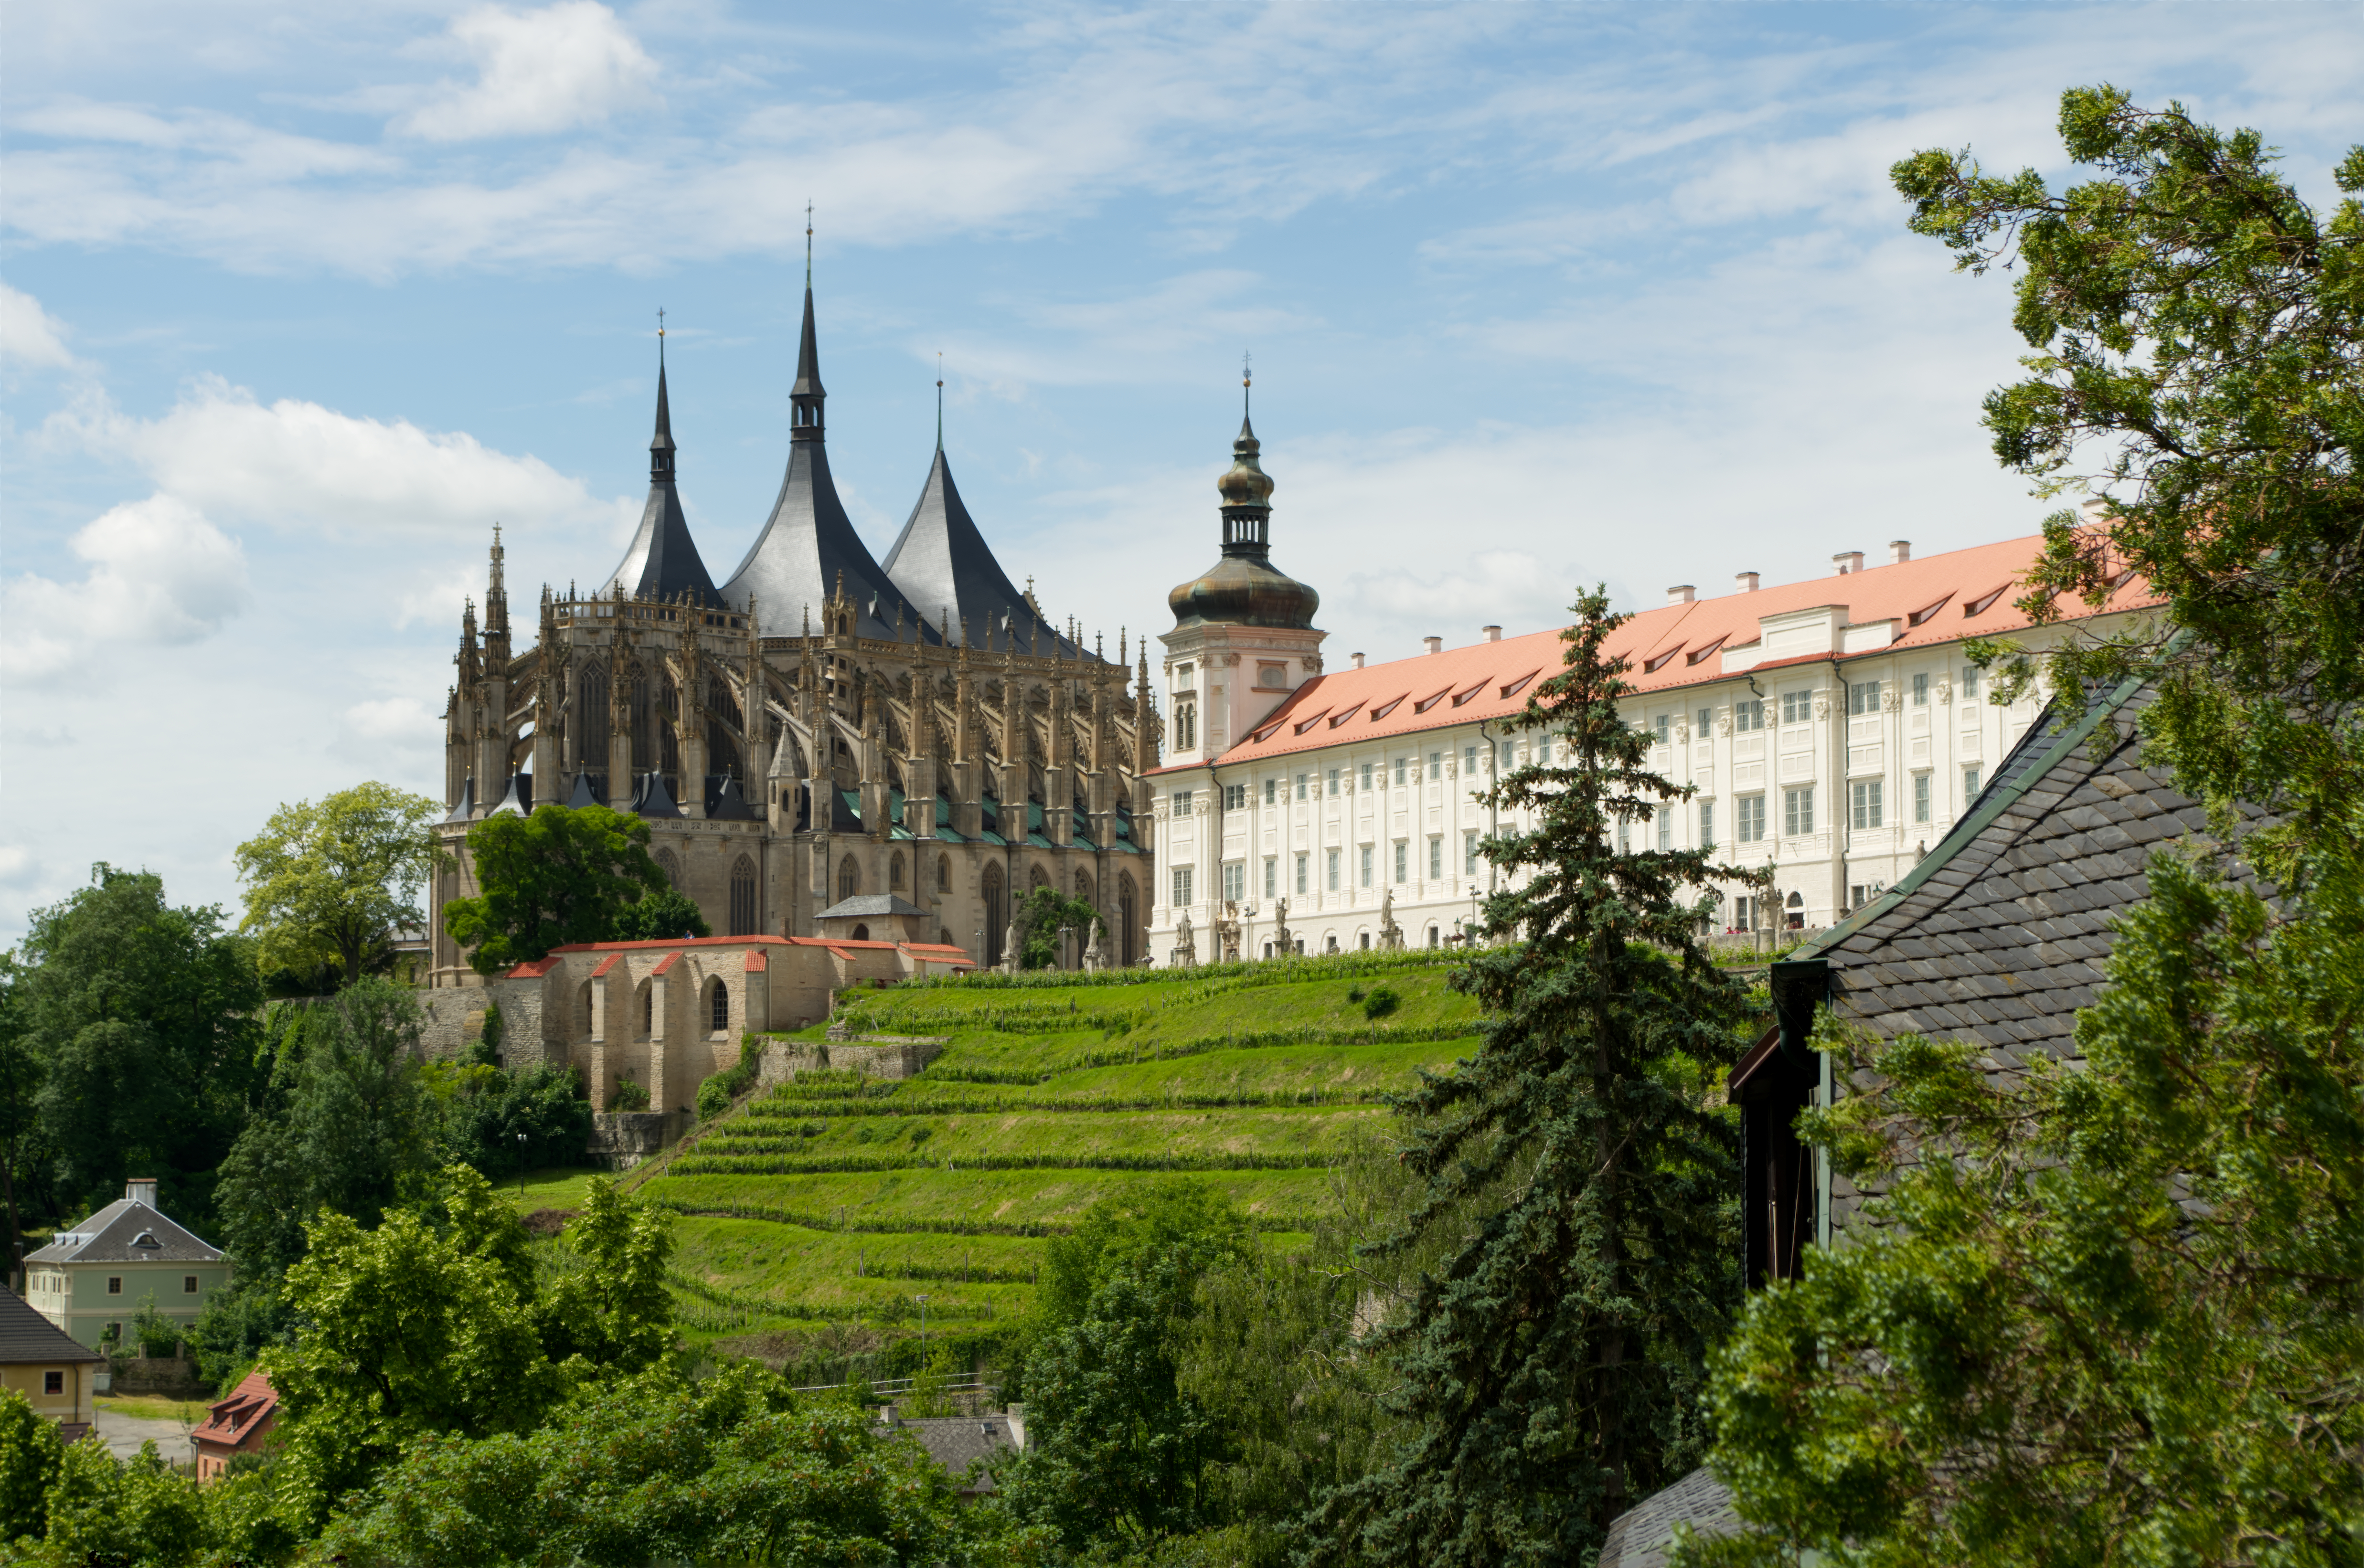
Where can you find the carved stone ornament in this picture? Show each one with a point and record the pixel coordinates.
(1682, 733)
(1945, 692)
(1724, 721)
(1891, 701)
(1821, 704)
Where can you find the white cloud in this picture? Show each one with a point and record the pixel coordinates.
(30, 336)
(160, 575)
(538, 71)
(296, 465)
(17, 867)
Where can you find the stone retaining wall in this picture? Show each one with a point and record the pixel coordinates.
(621, 1139)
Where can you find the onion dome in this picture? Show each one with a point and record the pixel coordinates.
(1245, 588)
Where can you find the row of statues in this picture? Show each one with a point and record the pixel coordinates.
(1231, 933)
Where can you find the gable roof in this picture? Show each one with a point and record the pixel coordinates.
(26, 1336)
(233, 1420)
(126, 1231)
(1907, 605)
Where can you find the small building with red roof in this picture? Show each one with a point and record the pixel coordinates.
(236, 1425)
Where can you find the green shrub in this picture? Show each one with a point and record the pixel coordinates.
(921, 1135)
(1380, 1003)
(714, 1095)
(1354, 994)
(631, 1097)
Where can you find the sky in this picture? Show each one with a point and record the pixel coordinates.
(297, 302)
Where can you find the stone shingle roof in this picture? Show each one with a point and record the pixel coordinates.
(1639, 1536)
(958, 1441)
(26, 1336)
(126, 1231)
(868, 906)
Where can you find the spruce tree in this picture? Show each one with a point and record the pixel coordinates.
(1548, 1371)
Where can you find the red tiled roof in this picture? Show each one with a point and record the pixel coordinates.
(666, 962)
(757, 962)
(232, 1420)
(677, 942)
(606, 965)
(533, 969)
(935, 951)
(1968, 589)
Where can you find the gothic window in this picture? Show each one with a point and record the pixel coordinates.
(668, 711)
(591, 707)
(642, 722)
(1084, 886)
(582, 1012)
(849, 878)
(895, 871)
(648, 1008)
(743, 919)
(997, 914)
(1037, 877)
(717, 1007)
(860, 933)
(1127, 917)
(670, 866)
(944, 874)
(944, 937)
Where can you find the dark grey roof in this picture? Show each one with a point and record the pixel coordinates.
(126, 1231)
(26, 1336)
(725, 802)
(945, 569)
(519, 799)
(584, 793)
(869, 905)
(650, 798)
(662, 561)
(466, 808)
(1639, 1536)
(808, 543)
(958, 1441)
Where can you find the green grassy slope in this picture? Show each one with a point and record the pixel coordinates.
(839, 1199)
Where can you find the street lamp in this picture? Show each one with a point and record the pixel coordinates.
(520, 1170)
(924, 1329)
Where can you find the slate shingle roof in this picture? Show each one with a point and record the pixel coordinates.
(957, 1442)
(26, 1336)
(1639, 1538)
(114, 1235)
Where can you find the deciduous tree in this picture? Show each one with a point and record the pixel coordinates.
(331, 881)
(555, 878)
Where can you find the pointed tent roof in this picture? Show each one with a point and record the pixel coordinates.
(662, 561)
(942, 565)
(808, 540)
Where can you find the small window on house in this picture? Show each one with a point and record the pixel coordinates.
(1271, 876)
(1750, 822)
(1333, 781)
(1436, 858)
(1185, 677)
(1365, 879)
(1300, 786)
(1470, 852)
(1301, 873)
(1865, 803)
(1235, 797)
(1366, 775)
(1332, 883)
(862, 933)
(114, 1284)
(1747, 715)
(53, 1383)
(1665, 828)
(1271, 790)
(1399, 772)
(1707, 824)
(1235, 881)
(1182, 885)
(720, 1008)
(188, 1285)
(1920, 691)
(1797, 707)
(1969, 682)
(1272, 675)
(1403, 858)
(1970, 780)
(1863, 697)
(1470, 761)
(648, 1010)
(1182, 802)
(1706, 725)
(1663, 726)
(1921, 798)
(1436, 764)
(1798, 811)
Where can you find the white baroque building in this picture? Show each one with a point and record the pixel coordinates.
(1833, 729)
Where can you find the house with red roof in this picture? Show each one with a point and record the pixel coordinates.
(1832, 729)
(236, 1425)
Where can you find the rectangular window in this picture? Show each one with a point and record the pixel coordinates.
(1510, 757)
(1235, 797)
(1182, 885)
(1235, 881)
(1182, 803)
(1332, 883)
(1470, 761)
(1865, 802)
(1543, 750)
(1366, 775)
(1798, 811)
(1185, 677)
(1664, 727)
(188, 1285)
(1920, 691)
(1271, 877)
(1707, 824)
(1706, 725)
(1271, 790)
(1665, 828)
(1399, 772)
(1367, 866)
(53, 1383)
(1333, 781)
(1300, 786)
(1797, 707)
(1749, 810)
(1403, 854)
(1748, 714)
(1863, 697)
(1301, 873)
(1436, 764)
(1969, 682)
(1921, 798)
(114, 1284)
(1470, 852)
(1969, 787)
(1624, 836)
(1436, 859)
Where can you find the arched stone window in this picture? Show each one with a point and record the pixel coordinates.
(895, 871)
(1037, 877)
(743, 920)
(592, 709)
(583, 1013)
(648, 1008)
(862, 933)
(1084, 886)
(667, 863)
(643, 721)
(997, 913)
(717, 1005)
(944, 874)
(849, 878)
(1366, 941)
(944, 937)
(1330, 943)
(1128, 919)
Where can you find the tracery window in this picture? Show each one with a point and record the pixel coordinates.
(744, 920)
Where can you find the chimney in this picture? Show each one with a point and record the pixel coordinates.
(1900, 551)
(1681, 593)
(1433, 644)
(1847, 561)
(1357, 659)
(1493, 633)
(1744, 581)
(141, 1189)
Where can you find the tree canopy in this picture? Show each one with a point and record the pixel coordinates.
(554, 878)
(1550, 1367)
(331, 883)
(2198, 338)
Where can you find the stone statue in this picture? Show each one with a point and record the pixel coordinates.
(1227, 934)
(1280, 938)
(1095, 955)
(1390, 934)
(1186, 944)
(1012, 958)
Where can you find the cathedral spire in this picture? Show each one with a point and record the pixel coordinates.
(662, 561)
(807, 395)
(660, 449)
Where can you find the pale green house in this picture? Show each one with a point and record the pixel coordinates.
(94, 1277)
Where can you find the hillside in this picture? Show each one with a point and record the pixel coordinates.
(813, 1217)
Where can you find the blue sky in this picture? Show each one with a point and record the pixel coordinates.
(300, 300)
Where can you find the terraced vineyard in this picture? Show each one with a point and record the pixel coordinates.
(834, 1203)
